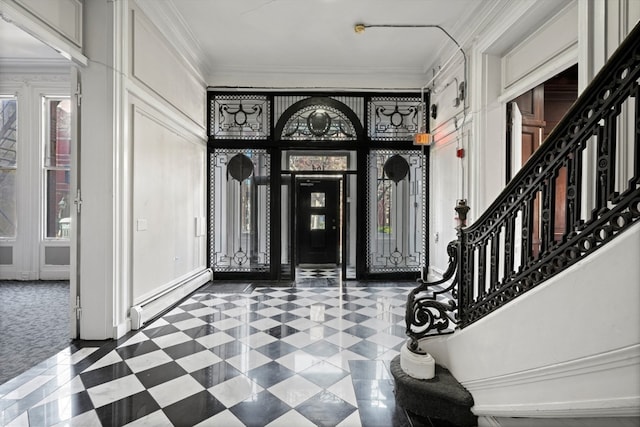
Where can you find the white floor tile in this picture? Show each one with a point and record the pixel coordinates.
(247, 361)
(114, 390)
(223, 419)
(234, 391)
(258, 339)
(157, 418)
(169, 340)
(28, 387)
(344, 390)
(298, 361)
(177, 389)
(199, 360)
(294, 390)
(189, 323)
(291, 419)
(110, 358)
(215, 339)
(148, 360)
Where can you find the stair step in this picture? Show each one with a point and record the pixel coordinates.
(441, 397)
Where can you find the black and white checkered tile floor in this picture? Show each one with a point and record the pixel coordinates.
(272, 357)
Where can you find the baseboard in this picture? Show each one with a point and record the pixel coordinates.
(148, 309)
(618, 358)
(606, 402)
(617, 407)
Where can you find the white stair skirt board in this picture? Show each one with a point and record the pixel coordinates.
(419, 366)
(151, 307)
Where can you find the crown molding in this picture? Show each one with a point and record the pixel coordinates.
(165, 16)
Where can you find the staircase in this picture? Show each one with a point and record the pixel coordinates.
(545, 330)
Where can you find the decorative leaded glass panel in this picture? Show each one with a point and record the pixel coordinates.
(240, 210)
(394, 118)
(396, 214)
(318, 123)
(240, 117)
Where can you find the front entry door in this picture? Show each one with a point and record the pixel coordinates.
(317, 220)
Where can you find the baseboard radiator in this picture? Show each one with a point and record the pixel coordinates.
(150, 308)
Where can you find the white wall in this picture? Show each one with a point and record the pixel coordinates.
(168, 162)
(143, 167)
(168, 204)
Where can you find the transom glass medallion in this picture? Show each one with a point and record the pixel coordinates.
(395, 119)
(318, 123)
(240, 117)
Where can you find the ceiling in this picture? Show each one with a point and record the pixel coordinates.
(309, 43)
(305, 43)
(313, 42)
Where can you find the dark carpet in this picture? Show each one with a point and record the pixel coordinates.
(34, 324)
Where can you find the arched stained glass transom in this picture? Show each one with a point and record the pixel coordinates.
(318, 119)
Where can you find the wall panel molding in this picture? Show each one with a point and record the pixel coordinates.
(64, 16)
(156, 66)
(555, 39)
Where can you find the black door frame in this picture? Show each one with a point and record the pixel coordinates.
(342, 176)
(270, 140)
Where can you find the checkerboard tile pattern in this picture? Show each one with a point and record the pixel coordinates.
(272, 357)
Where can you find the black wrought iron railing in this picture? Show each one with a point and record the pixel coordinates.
(577, 192)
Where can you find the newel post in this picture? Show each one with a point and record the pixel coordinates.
(462, 209)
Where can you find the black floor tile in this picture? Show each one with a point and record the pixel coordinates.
(368, 370)
(276, 349)
(105, 374)
(270, 374)
(379, 390)
(373, 413)
(160, 331)
(326, 409)
(322, 349)
(193, 409)
(215, 374)
(184, 349)
(160, 374)
(361, 331)
(259, 411)
(127, 410)
(137, 349)
(324, 374)
(230, 349)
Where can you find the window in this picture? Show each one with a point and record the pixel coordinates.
(57, 163)
(8, 165)
(317, 200)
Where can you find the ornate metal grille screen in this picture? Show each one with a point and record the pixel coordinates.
(396, 214)
(395, 119)
(239, 210)
(240, 117)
